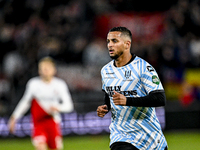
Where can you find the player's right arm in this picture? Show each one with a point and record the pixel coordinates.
(11, 124)
(103, 109)
(21, 109)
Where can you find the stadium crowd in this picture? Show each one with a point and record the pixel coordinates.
(64, 30)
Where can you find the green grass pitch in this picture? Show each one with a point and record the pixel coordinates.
(182, 140)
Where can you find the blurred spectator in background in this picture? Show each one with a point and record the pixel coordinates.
(195, 50)
(13, 64)
(96, 54)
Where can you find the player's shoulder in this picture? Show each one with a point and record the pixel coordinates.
(141, 61)
(59, 80)
(145, 66)
(34, 80)
(107, 66)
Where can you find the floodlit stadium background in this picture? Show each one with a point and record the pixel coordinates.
(73, 32)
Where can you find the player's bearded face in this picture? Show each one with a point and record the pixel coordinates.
(115, 44)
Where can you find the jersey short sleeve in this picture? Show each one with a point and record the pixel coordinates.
(149, 78)
(103, 76)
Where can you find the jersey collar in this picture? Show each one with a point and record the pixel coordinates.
(133, 57)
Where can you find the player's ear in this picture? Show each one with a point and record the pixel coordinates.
(39, 70)
(127, 44)
(55, 71)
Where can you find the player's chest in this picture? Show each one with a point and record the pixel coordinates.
(125, 80)
(120, 77)
(44, 91)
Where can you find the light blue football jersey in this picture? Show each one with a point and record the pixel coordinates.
(136, 125)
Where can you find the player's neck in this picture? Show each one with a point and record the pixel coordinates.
(123, 60)
(47, 79)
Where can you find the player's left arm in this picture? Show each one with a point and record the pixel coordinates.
(66, 103)
(152, 85)
(102, 110)
(153, 99)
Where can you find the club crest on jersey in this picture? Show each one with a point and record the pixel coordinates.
(155, 80)
(127, 74)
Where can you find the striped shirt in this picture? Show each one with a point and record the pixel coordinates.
(136, 125)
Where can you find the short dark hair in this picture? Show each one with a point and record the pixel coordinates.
(123, 30)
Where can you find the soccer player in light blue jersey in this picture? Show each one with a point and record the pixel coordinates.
(132, 91)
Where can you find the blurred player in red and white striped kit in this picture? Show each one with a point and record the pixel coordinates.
(46, 96)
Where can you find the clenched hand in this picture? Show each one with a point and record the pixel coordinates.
(102, 110)
(119, 99)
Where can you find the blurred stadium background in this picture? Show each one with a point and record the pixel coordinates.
(73, 32)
